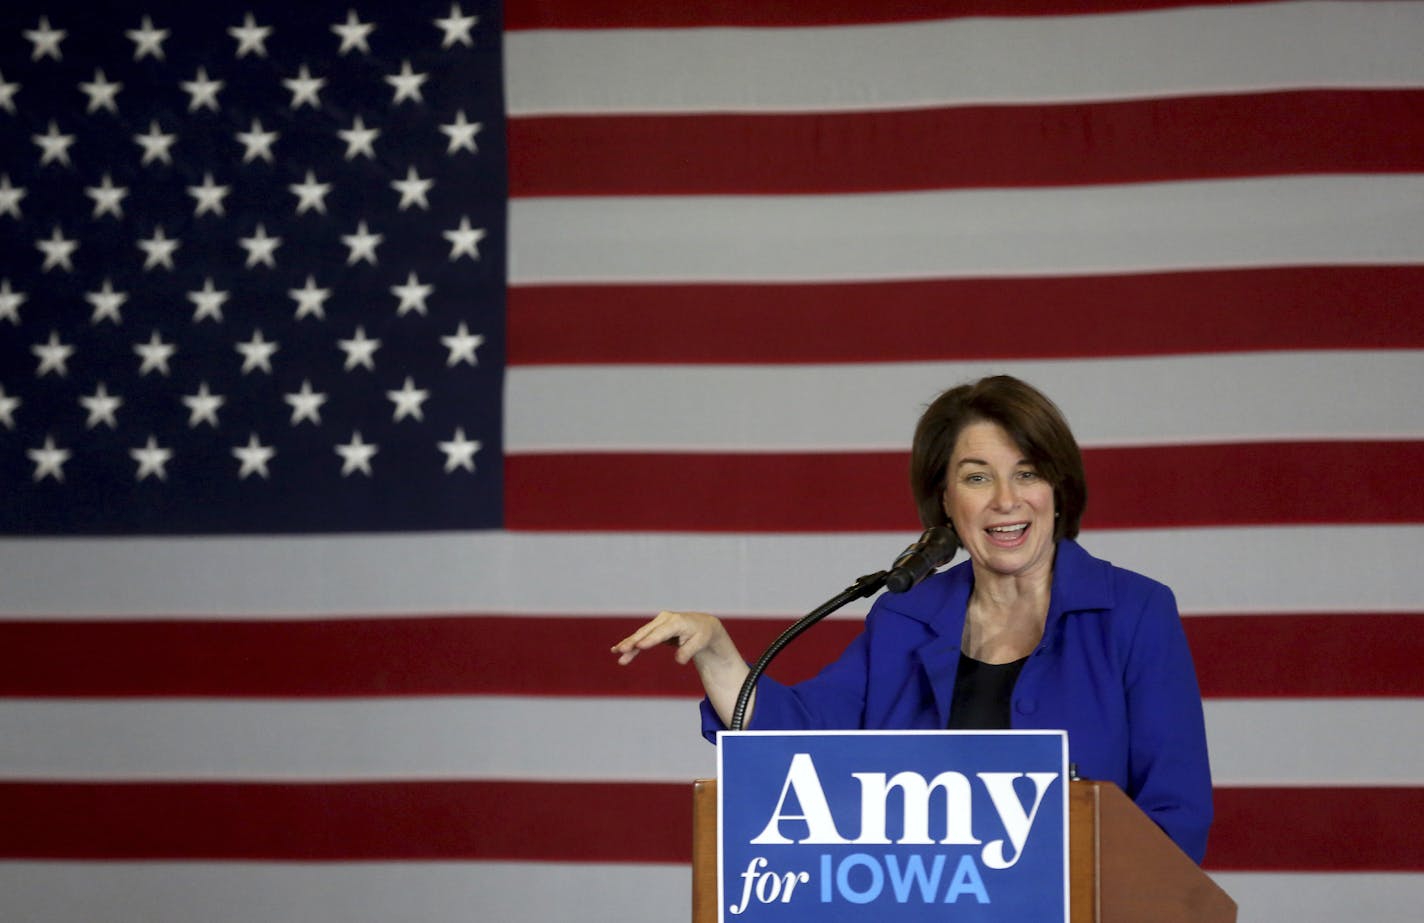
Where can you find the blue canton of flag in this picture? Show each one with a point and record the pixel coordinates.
(251, 267)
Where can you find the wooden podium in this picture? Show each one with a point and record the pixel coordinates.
(1122, 868)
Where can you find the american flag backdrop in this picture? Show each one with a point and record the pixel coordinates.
(368, 370)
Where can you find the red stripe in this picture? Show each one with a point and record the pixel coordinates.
(1317, 131)
(628, 14)
(1370, 654)
(714, 492)
(1341, 307)
(1310, 655)
(1300, 829)
(1288, 483)
(1257, 829)
(472, 655)
(319, 821)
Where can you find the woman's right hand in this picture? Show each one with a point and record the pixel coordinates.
(691, 633)
(703, 641)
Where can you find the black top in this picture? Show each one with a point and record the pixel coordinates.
(981, 694)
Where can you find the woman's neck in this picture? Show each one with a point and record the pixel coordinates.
(1006, 615)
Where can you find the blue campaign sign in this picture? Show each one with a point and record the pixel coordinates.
(893, 826)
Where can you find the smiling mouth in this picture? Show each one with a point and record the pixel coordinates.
(1010, 534)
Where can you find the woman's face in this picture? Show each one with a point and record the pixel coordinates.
(1001, 507)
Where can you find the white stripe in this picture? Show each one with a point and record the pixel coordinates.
(405, 738)
(1277, 221)
(524, 892)
(965, 61)
(1304, 898)
(1230, 397)
(1253, 742)
(333, 892)
(1316, 741)
(1306, 569)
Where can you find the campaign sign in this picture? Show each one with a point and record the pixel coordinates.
(892, 826)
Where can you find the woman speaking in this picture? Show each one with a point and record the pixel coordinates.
(1032, 632)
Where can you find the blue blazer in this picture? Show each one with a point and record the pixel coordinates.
(1113, 670)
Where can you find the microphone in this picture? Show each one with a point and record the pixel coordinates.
(934, 547)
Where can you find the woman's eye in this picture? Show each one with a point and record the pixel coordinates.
(1028, 475)
(975, 479)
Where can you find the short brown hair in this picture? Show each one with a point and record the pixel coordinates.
(1036, 426)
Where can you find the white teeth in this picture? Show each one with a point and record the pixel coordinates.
(1018, 528)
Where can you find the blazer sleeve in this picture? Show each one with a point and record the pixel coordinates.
(1169, 775)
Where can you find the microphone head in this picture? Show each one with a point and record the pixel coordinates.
(935, 547)
(941, 544)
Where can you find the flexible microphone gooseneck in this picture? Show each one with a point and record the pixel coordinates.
(934, 548)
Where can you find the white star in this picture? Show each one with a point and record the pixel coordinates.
(356, 455)
(413, 189)
(154, 355)
(407, 84)
(158, 249)
(457, 28)
(203, 406)
(256, 353)
(464, 240)
(53, 145)
(208, 197)
(10, 301)
(358, 139)
(102, 93)
(310, 194)
(106, 303)
(52, 355)
(412, 295)
(305, 404)
(258, 143)
(260, 247)
(208, 301)
(46, 40)
(7, 94)
(304, 88)
(362, 245)
(108, 198)
(101, 406)
(147, 40)
(57, 251)
(10, 196)
(462, 345)
(8, 406)
(459, 451)
(49, 460)
(152, 459)
(254, 457)
(202, 91)
(462, 134)
(310, 299)
(408, 400)
(155, 145)
(359, 350)
(250, 37)
(354, 33)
